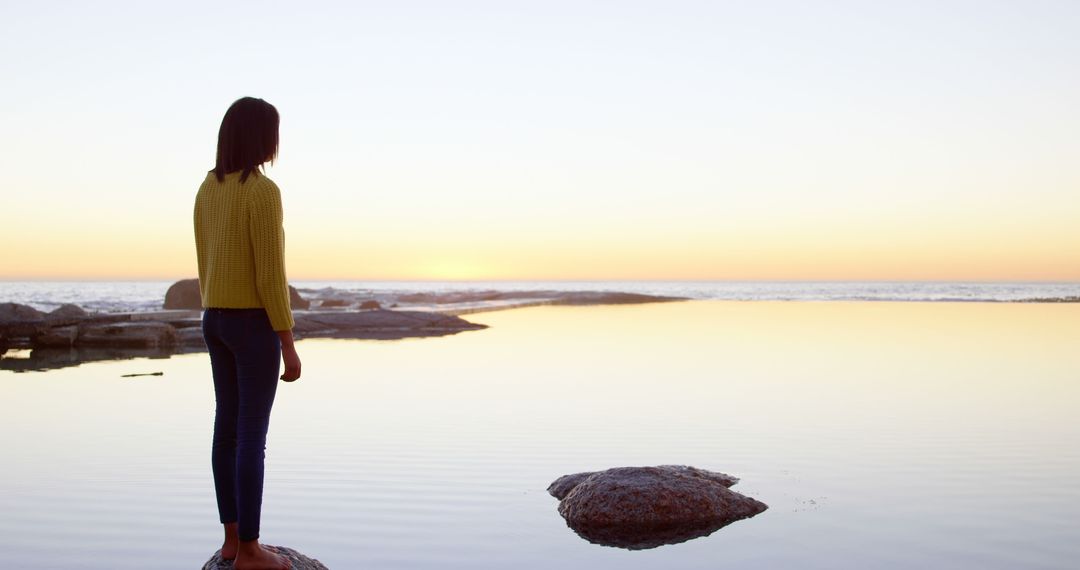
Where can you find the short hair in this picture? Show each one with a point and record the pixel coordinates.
(248, 137)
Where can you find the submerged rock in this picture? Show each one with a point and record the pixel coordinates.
(299, 561)
(645, 507)
(130, 334)
(185, 294)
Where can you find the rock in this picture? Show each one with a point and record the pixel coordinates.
(159, 334)
(554, 297)
(185, 294)
(57, 337)
(334, 303)
(191, 336)
(370, 305)
(175, 317)
(609, 298)
(17, 320)
(563, 485)
(296, 301)
(299, 561)
(380, 323)
(66, 314)
(15, 312)
(127, 334)
(451, 297)
(646, 507)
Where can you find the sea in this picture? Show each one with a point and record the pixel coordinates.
(129, 296)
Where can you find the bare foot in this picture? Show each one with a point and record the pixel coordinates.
(254, 556)
(232, 542)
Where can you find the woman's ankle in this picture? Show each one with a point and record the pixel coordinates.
(249, 545)
(232, 540)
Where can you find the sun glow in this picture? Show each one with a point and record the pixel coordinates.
(452, 269)
(689, 141)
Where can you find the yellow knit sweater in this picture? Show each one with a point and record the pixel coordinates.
(240, 243)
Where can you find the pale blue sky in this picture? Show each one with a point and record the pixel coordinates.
(612, 130)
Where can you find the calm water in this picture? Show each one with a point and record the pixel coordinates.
(882, 435)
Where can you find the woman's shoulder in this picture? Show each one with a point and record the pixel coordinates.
(208, 182)
(263, 191)
(262, 184)
(264, 180)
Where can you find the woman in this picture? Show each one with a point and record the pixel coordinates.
(247, 320)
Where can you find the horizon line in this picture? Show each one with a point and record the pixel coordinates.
(544, 280)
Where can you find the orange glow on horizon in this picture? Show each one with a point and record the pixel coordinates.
(806, 263)
(810, 246)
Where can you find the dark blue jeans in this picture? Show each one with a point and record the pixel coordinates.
(245, 355)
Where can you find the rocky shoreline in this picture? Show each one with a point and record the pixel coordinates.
(69, 335)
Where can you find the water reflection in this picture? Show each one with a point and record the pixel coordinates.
(43, 359)
(636, 537)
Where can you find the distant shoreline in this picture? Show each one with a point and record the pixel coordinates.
(476, 296)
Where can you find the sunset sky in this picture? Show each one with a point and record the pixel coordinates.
(555, 140)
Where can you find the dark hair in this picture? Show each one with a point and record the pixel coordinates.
(248, 137)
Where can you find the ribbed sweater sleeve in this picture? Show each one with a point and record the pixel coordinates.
(268, 248)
